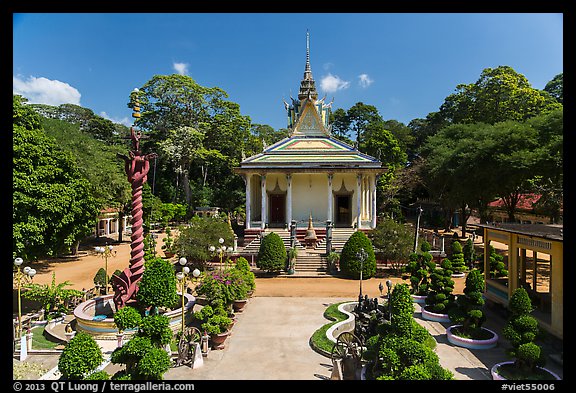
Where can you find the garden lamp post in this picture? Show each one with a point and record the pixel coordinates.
(389, 285)
(20, 275)
(361, 255)
(417, 228)
(182, 277)
(106, 252)
(196, 274)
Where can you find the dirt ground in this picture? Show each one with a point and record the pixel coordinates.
(80, 273)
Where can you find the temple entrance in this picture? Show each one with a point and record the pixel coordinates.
(343, 210)
(277, 210)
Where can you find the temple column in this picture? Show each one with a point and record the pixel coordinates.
(288, 200)
(373, 200)
(248, 180)
(329, 209)
(264, 202)
(358, 201)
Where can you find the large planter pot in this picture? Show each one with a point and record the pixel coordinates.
(458, 275)
(495, 371)
(420, 299)
(432, 316)
(239, 305)
(469, 342)
(219, 340)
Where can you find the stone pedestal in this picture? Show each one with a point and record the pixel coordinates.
(70, 336)
(198, 360)
(23, 348)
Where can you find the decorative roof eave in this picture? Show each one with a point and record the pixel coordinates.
(310, 169)
(545, 231)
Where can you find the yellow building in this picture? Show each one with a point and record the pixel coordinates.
(310, 173)
(534, 257)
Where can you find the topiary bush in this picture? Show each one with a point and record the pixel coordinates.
(127, 318)
(81, 356)
(419, 268)
(457, 258)
(521, 330)
(100, 277)
(157, 328)
(469, 307)
(272, 253)
(157, 287)
(153, 364)
(469, 253)
(440, 298)
(401, 350)
(497, 266)
(349, 261)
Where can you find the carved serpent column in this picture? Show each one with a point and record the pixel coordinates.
(136, 167)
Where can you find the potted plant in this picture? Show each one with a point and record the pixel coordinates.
(469, 317)
(168, 245)
(247, 275)
(292, 255)
(440, 298)
(419, 267)
(216, 323)
(521, 330)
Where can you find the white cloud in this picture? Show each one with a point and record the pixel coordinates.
(331, 83)
(364, 80)
(181, 68)
(125, 120)
(45, 91)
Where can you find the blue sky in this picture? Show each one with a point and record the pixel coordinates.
(404, 64)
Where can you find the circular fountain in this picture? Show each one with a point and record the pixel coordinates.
(96, 316)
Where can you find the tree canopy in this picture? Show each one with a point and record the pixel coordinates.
(53, 207)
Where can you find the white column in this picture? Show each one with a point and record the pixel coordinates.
(374, 213)
(248, 200)
(330, 197)
(264, 202)
(358, 201)
(289, 199)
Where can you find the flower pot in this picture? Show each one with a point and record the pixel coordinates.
(495, 371)
(432, 316)
(218, 340)
(458, 275)
(239, 305)
(168, 254)
(469, 342)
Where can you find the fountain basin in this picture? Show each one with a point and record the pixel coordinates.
(96, 317)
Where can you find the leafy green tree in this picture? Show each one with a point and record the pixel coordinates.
(54, 298)
(499, 94)
(53, 208)
(350, 263)
(469, 253)
(457, 258)
(556, 87)
(194, 240)
(393, 242)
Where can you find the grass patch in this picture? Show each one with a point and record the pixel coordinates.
(319, 339)
(41, 340)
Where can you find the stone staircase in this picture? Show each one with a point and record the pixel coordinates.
(254, 245)
(339, 237)
(310, 263)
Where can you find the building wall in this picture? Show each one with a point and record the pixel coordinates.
(309, 196)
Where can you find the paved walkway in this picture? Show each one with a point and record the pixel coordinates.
(270, 341)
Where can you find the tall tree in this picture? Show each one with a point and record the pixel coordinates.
(499, 94)
(53, 208)
(556, 87)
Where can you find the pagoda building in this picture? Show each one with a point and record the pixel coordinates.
(310, 173)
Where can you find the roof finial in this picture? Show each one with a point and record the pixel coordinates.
(307, 85)
(307, 50)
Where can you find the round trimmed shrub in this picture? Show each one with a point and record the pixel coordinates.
(520, 303)
(127, 318)
(440, 298)
(100, 277)
(468, 310)
(98, 376)
(158, 284)
(272, 253)
(349, 261)
(81, 355)
(157, 328)
(153, 365)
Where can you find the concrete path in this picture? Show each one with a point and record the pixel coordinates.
(270, 341)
